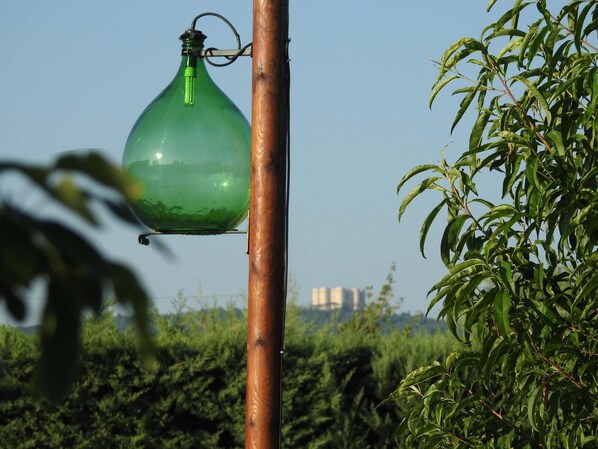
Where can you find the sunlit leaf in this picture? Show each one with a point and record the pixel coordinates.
(556, 140)
(415, 171)
(522, 276)
(526, 41)
(502, 306)
(533, 90)
(422, 374)
(589, 287)
(510, 15)
(438, 87)
(429, 183)
(475, 138)
(463, 108)
(445, 62)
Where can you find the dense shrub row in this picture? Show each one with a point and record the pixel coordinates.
(334, 383)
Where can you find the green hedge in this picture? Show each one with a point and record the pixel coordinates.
(334, 383)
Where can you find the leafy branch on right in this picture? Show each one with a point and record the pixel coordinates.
(522, 266)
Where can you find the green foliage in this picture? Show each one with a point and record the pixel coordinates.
(195, 397)
(377, 313)
(77, 278)
(522, 277)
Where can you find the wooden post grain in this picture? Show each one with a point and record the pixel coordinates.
(267, 228)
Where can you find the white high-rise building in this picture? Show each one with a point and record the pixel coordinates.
(324, 298)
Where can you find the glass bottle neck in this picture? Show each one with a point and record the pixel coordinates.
(192, 66)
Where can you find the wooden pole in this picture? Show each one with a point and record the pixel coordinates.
(267, 228)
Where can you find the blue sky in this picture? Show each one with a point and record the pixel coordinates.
(77, 74)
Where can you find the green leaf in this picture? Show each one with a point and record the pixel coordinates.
(70, 195)
(56, 367)
(101, 170)
(459, 360)
(426, 225)
(556, 140)
(512, 45)
(531, 172)
(456, 272)
(507, 275)
(422, 374)
(415, 171)
(587, 289)
(450, 236)
(496, 213)
(512, 137)
(486, 203)
(585, 439)
(535, 45)
(441, 294)
(533, 90)
(526, 40)
(502, 306)
(20, 259)
(467, 184)
(533, 409)
(489, 364)
(475, 138)
(463, 108)
(578, 26)
(438, 87)
(426, 184)
(509, 15)
(539, 276)
(444, 63)
(532, 285)
(69, 247)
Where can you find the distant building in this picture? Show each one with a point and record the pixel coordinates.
(324, 298)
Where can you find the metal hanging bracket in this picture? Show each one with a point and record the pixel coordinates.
(143, 238)
(230, 55)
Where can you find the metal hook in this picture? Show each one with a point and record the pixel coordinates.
(230, 55)
(224, 19)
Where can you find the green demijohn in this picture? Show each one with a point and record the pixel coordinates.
(190, 151)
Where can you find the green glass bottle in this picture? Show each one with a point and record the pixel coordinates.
(190, 150)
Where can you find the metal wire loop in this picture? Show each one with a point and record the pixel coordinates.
(210, 51)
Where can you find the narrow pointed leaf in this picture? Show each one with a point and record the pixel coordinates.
(533, 90)
(417, 190)
(463, 108)
(415, 171)
(502, 306)
(426, 226)
(438, 87)
(475, 138)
